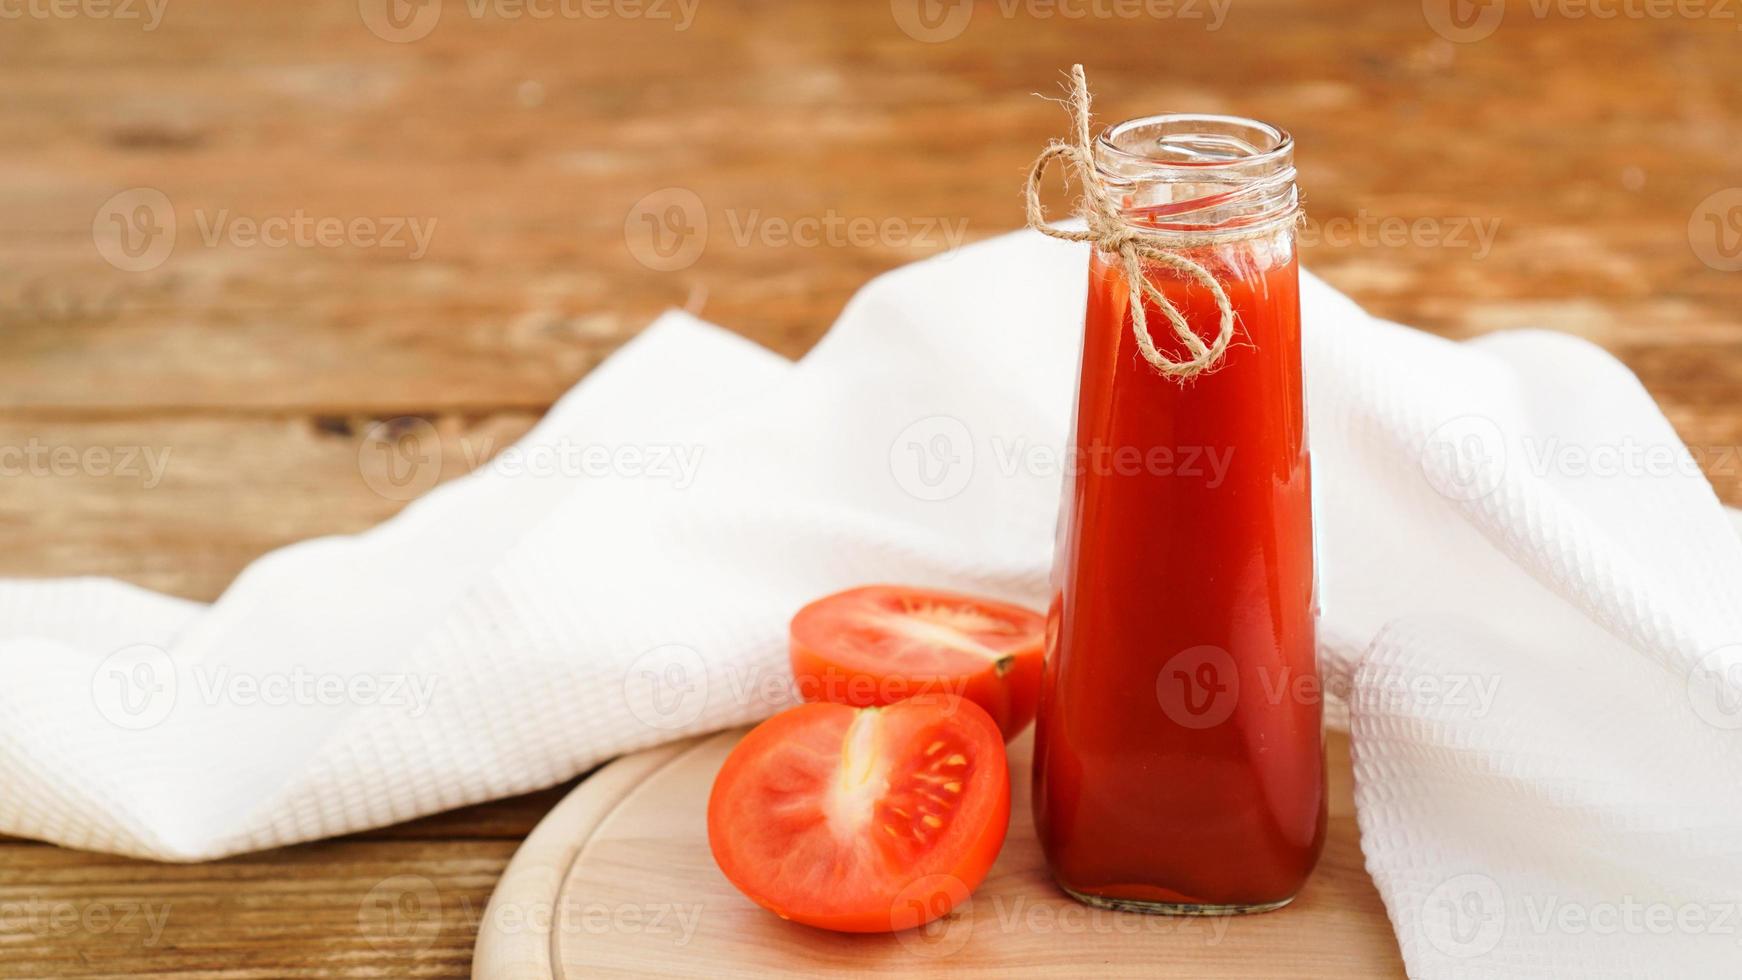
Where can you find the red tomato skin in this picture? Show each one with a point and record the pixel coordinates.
(1009, 690)
(964, 870)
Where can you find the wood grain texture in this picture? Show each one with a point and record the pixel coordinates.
(1585, 146)
(405, 901)
(525, 914)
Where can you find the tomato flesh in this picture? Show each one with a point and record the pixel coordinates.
(881, 643)
(862, 819)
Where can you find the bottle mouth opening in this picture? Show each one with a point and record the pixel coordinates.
(1199, 173)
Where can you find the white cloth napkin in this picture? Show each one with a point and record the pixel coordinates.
(1522, 572)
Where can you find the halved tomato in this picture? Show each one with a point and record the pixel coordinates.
(882, 643)
(862, 819)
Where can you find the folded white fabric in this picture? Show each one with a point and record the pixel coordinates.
(1528, 591)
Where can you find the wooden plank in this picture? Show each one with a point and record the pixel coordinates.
(339, 908)
(182, 503)
(359, 907)
(528, 289)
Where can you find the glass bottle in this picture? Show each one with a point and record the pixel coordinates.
(1179, 758)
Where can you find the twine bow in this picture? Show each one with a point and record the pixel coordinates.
(1106, 228)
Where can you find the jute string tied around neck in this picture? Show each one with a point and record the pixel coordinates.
(1107, 230)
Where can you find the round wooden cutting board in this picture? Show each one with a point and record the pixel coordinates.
(618, 881)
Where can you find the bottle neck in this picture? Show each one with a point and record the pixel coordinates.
(1200, 179)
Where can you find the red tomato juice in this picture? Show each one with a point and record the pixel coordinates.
(1179, 755)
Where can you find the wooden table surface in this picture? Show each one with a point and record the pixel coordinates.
(1547, 167)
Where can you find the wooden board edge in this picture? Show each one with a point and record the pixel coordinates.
(514, 939)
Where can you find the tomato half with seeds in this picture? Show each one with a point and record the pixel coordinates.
(878, 644)
(862, 819)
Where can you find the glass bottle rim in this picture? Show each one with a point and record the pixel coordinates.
(1200, 124)
(1199, 173)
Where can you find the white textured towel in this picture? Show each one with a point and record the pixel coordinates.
(1529, 598)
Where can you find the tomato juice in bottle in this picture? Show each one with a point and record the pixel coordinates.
(1179, 762)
